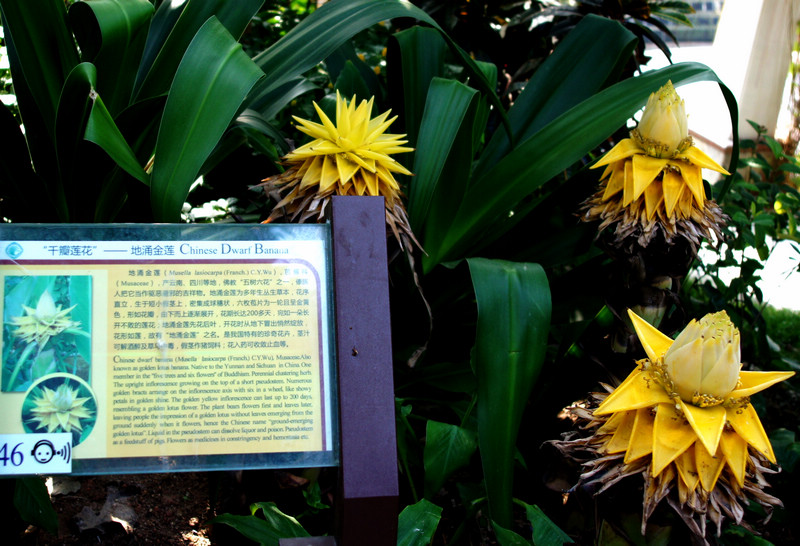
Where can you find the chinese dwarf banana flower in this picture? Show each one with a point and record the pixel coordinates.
(683, 420)
(652, 182)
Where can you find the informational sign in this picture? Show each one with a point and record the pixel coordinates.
(170, 347)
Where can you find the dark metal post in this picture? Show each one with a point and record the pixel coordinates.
(367, 507)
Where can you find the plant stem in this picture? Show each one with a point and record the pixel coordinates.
(23, 357)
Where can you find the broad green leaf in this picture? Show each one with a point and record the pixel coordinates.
(102, 130)
(545, 532)
(582, 64)
(421, 51)
(312, 41)
(446, 112)
(41, 54)
(511, 335)
(787, 450)
(447, 448)
(212, 80)
(161, 26)
(507, 537)
(234, 16)
(33, 504)
(286, 525)
(417, 523)
(743, 537)
(267, 531)
(74, 106)
(111, 35)
(339, 60)
(281, 97)
(44, 50)
(139, 124)
(557, 146)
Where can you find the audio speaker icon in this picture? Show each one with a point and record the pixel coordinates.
(44, 451)
(65, 452)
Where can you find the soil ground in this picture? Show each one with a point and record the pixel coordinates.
(161, 509)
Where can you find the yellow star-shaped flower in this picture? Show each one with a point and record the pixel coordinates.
(60, 410)
(349, 157)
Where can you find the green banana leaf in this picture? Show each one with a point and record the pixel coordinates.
(417, 523)
(102, 130)
(421, 55)
(272, 103)
(268, 531)
(345, 58)
(213, 79)
(447, 111)
(74, 107)
(41, 54)
(234, 16)
(37, 32)
(447, 448)
(584, 61)
(545, 532)
(588, 57)
(513, 321)
(111, 35)
(32, 501)
(351, 83)
(312, 41)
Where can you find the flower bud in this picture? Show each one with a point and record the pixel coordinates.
(664, 129)
(46, 307)
(704, 361)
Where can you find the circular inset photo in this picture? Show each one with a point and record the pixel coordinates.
(60, 403)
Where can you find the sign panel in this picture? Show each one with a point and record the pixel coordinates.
(170, 347)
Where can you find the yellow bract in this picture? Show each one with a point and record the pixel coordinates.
(353, 151)
(658, 169)
(349, 157)
(649, 416)
(60, 410)
(44, 322)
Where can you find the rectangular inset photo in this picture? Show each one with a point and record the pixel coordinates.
(46, 328)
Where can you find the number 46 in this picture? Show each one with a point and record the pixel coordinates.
(16, 455)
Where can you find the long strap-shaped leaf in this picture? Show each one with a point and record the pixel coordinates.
(44, 47)
(513, 322)
(446, 110)
(312, 41)
(422, 54)
(102, 130)
(557, 146)
(587, 59)
(210, 84)
(235, 16)
(112, 34)
(83, 115)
